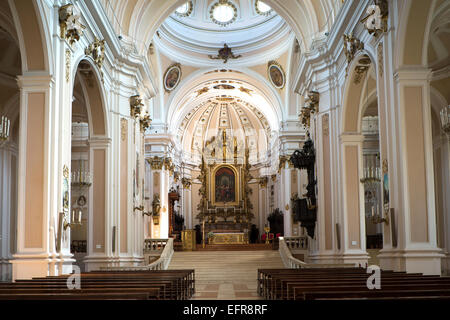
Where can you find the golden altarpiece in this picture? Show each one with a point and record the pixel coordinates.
(225, 210)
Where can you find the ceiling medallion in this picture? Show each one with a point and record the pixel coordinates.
(184, 10)
(276, 74)
(223, 13)
(172, 77)
(262, 8)
(225, 53)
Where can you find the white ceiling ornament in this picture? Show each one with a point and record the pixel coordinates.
(185, 9)
(262, 8)
(223, 13)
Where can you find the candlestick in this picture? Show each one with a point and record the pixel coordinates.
(80, 213)
(372, 212)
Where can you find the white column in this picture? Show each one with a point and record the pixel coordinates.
(446, 201)
(187, 207)
(285, 199)
(7, 208)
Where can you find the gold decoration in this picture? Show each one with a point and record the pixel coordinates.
(351, 46)
(68, 58)
(135, 105)
(287, 207)
(359, 73)
(380, 58)
(176, 176)
(69, 23)
(202, 91)
(156, 163)
(97, 50)
(245, 90)
(186, 183)
(282, 161)
(325, 125)
(225, 54)
(145, 122)
(263, 182)
(274, 177)
(123, 129)
(311, 107)
(65, 172)
(385, 166)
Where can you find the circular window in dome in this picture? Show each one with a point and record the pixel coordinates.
(223, 12)
(262, 8)
(184, 10)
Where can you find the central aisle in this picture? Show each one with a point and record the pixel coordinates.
(226, 275)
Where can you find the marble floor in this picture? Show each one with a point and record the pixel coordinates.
(226, 275)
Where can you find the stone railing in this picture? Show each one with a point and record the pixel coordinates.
(286, 256)
(288, 245)
(296, 243)
(152, 247)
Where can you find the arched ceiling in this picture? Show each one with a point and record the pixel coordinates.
(244, 127)
(216, 100)
(138, 20)
(439, 38)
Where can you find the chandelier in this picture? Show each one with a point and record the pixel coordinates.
(4, 129)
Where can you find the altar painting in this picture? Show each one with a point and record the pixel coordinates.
(225, 186)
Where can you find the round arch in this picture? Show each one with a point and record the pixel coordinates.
(275, 113)
(413, 34)
(96, 102)
(353, 94)
(32, 35)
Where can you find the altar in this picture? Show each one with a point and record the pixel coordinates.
(228, 238)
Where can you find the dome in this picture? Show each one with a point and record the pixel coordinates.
(200, 28)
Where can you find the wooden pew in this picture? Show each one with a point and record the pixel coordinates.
(147, 284)
(343, 283)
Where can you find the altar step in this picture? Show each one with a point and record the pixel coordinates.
(226, 275)
(234, 247)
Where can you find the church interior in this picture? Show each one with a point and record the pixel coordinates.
(231, 146)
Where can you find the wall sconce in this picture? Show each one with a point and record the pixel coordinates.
(377, 218)
(4, 129)
(76, 220)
